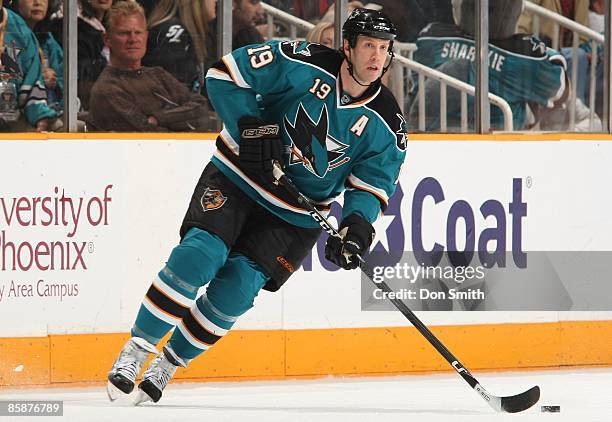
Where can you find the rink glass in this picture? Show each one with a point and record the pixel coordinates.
(443, 108)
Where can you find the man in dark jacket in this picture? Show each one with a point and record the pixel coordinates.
(130, 97)
(414, 15)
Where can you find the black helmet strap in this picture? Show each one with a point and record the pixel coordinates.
(351, 70)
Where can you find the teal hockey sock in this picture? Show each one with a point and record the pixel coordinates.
(192, 263)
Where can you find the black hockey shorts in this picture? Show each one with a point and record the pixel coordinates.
(220, 207)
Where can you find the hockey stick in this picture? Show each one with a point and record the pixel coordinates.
(509, 404)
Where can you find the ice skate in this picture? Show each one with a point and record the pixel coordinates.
(122, 376)
(157, 376)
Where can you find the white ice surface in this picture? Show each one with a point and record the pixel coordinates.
(584, 395)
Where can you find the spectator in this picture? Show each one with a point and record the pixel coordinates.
(247, 14)
(36, 14)
(414, 15)
(22, 89)
(179, 39)
(583, 56)
(130, 97)
(148, 6)
(585, 59)
(351, 5)
(596, 15)
(311, 10)
(522, 70)
(576, 10)
(91, 54)
(322, 33)
(442, 11)
(284, 5)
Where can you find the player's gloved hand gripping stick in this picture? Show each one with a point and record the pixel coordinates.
(260, 146)
(509, 404)
(356, 236)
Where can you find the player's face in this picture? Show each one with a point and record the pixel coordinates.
(369, 58)
(33, 11)
(127, 41)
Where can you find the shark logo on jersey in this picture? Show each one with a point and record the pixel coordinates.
(9, 63)
(300, 47)
(401, 135)
(312, 145)
(536, 45)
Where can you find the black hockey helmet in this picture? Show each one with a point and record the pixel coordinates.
(368, 22)
(371, 23)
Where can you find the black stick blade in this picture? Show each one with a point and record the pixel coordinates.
(520, 402)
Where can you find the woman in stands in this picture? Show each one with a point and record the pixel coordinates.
(92, 54)
(36, 14)
(180, 39)
(322, 33)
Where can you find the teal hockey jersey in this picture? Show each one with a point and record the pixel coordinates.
(333, 142)
(20, 65)
(522, 69)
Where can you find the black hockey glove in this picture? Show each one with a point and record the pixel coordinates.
(260, 146)
(357, 236)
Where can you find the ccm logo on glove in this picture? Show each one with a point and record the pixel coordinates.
(258, 132)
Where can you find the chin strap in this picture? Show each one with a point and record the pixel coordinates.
(350, 71)
(392, 54)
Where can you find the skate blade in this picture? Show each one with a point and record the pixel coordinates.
(142, 398)
(113, 392)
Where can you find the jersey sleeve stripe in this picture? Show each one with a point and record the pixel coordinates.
(34, 102)
(228, 140)
(234, 71)
(220, 66)
(218, 74)
(271, 198)
(562, 87)
(357, 183)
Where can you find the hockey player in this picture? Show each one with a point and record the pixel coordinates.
(324, 115)
(522, 70)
